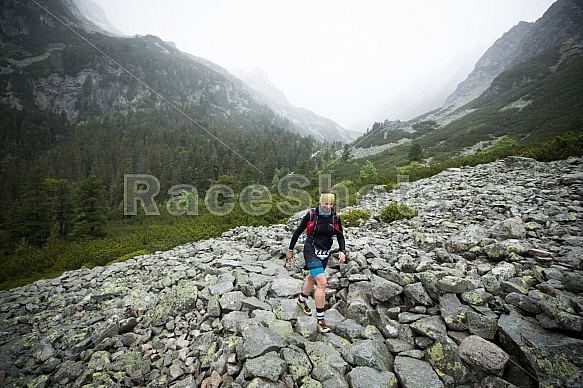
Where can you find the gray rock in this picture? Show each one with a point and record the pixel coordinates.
(415, 373)
(523, 302)
(365, 377)
(269, 366)
(482, 325)
(307, 327)
(252, 303)
(432, 327)
(297, 361)
(286, 287)
(453, 312)
(466, 239)
(323, 354)
(512, 228)
(573, 282)
(383, 290)
(444, 357)
(349, 329)
(502, 250)
(369, 353)
(396, 345)
(553, 358)
(328, 376)
(457, 284)
(221, 288)
(232, 301)
(230, 320)
(258, 341)
(495, 382)
(417, 294)
(477, 297)
(484, 354)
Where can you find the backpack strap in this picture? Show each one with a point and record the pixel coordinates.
(312, 221)
(313, 214)
(335, 221)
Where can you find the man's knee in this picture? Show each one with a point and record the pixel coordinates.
(321, 281)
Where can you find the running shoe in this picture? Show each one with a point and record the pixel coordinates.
(322, 328)
(305, 308)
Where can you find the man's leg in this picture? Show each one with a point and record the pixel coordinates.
(320, 299)
(320, 294)
(308, 286)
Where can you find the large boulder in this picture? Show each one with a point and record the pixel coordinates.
(553, 359)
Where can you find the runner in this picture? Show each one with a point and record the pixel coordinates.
(321, 225)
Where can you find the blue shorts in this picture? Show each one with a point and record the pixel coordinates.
(314, 264)
(316, 271)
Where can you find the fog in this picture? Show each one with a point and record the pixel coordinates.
(341, 59)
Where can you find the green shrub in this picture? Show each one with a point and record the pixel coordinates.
(355, 217)
(397, 211)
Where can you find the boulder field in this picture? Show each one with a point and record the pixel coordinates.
(481, 289)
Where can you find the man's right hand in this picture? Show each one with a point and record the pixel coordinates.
(289, 255)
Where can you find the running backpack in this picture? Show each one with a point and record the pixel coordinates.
(314, 219)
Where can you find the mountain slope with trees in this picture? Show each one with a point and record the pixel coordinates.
(79, 109)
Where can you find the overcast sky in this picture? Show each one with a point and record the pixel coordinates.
(338, 58)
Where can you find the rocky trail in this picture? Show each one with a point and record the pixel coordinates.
(481, 289)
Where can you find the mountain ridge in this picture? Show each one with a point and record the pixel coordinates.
(305, 122)
(498, 73)
(100, 33)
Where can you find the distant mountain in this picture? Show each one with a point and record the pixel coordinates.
(305, 121)
(561, 23)
(43, 39)
(527, 86)
(75, 102)
(494, 61)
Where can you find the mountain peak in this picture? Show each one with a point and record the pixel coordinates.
(91, 10)
(259, 80)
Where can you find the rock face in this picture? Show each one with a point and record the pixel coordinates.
(561, 24)
(482, 288)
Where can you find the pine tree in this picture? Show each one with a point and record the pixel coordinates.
(91, 201)
(346, 153)
(415, 153)
(33, 219)
(63, 206)
(368, 171)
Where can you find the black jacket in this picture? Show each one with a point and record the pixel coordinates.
(323, 232)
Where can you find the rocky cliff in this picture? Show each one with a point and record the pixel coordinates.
(481, 289)
(561, 23)
(494, 61)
